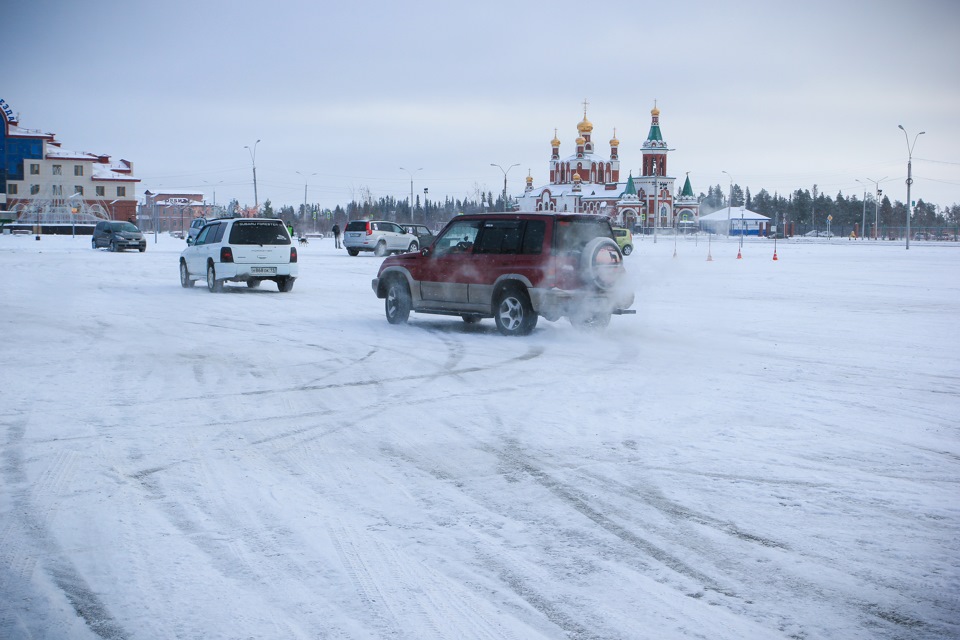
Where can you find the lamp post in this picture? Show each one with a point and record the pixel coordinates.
(411, 189)
(214, 185)
(306, 178)
(729, 201)
(253, 162)
(876, 206)
(909, 175)
(505, 172)
(426, 190)
(863, 216)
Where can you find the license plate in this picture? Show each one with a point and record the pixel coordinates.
(263, 270)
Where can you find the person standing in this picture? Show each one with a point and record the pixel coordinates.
(336, 236)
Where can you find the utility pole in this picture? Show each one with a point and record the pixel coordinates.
(813, 209)
(909, 175)
(253, 162)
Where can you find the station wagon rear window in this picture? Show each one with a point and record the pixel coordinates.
(258, 232)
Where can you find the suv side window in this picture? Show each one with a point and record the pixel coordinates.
(533, 237)
(217, 233)
(394, 228)
(459, 237)
(204, 234)
(500, 236)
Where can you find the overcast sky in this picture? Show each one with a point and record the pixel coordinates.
(780, 95)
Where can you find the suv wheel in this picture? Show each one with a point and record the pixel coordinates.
(381, 249)
(513, 313)
(413, 247)
(214, 285)
(397, 303)
(253, 283)
(185, 281)
(353, 252)
(285, 284)
(601, 263)
(93, 243)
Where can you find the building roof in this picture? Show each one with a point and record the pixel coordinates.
(687, 191)
(734, 214)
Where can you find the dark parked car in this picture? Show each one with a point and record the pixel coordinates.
(424, 236)
(118, 236)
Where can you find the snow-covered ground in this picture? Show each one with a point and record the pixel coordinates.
(768, 449)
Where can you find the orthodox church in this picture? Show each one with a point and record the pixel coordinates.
(588, 182)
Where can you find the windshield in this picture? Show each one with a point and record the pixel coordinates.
(123, 226)
(259, 232)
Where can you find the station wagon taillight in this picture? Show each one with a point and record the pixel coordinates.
(226, 254)
(293, 254)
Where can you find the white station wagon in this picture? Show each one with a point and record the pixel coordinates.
(248, 250)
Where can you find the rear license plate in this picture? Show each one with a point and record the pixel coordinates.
(263, 270)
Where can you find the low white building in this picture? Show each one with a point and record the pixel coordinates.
(735, 221)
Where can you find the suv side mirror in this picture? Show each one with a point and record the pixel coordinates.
(425, 252)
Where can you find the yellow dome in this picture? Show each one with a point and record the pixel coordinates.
(613, 141)
(529, 179)
(585, 125)
(556, 141)
(581, 140)
(654, 111)
(576, 177)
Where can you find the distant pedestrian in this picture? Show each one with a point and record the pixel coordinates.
(336, 236)
(290, 230)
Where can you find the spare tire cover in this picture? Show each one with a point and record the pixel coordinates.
(601, 263)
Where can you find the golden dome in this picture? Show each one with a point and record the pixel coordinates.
(585, 125)
(581, 140)
(576, 177)
(613, 141)
(556, 141)
(655, 111)
(529, 179)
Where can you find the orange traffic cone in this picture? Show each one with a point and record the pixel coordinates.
(739, 257)
(775, 255)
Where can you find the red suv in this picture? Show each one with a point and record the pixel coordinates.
(512, 267)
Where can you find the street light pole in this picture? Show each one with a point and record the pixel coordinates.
(305, 179)
(909, 174)
(253, 162)
(863, 216)
(729, 201)
(876, 206)
(505, 172)
(411, 189)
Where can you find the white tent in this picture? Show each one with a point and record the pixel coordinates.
(734, 221)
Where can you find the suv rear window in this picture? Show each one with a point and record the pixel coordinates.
(259, 232)
(573, 235)
(357, 225)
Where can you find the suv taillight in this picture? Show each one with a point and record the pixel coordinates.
(293, 254)
(226, 254)
(369, 230)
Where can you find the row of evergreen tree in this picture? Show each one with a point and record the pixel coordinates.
(807, 209)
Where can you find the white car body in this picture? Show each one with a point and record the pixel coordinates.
(240, 250)
(380, 236)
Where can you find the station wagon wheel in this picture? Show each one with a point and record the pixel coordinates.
(214, 285)
(253, 283)
(513, 313)
(381, 249)
(413, 247)
(185, 281)
(285, 284)
(397, 303)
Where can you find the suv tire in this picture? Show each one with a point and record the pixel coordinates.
(413, 247)
(285, 284)
(397, 303)
(214, 285)
(596, 266)
(513, 312)
(185, 281)
(381, 249)
(93, 243)
(353, 252)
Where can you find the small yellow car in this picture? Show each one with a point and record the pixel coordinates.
(624, 239)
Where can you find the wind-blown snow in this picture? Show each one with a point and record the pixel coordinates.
(768, 449)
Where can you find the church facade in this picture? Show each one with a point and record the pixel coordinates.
(588, 181)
